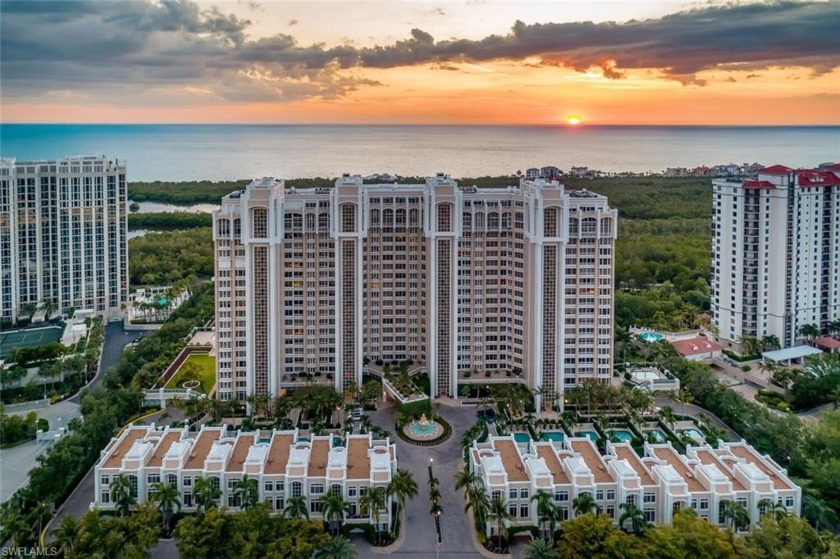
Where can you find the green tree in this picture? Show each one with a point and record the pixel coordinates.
(479, 501)
(594, 537)
(123, 494)
(691, 537)
(28, 310)
(636, 517)
(402, 487)
(773, 508)
(547, 512)
(810, 331)
(788, 537)
(296, 508)
(246, 492)
(372, 503)
(66, 534)
(168, 501)
(540, 549)
(335, 509)
(584, 504)
(48, 308)
(206, 493)
(337, 548)
(735, 514)
(499, 512)
(464, 479)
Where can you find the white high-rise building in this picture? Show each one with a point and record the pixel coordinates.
(776, 253)
(314, 284)
(63, 231)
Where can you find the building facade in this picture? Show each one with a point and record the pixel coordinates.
(281, 464)
(660, 483)
(312, 285)
(776, 253)
(63, 235)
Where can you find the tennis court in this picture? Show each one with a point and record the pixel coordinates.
(28, 338)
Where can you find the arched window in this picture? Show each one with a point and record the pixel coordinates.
(589, 226)
(237, 228)
(374, 217)
(414, 217)
(172, 480)
(259, 223)
(493, 221)
(467, 219)
(400, 217)
(296, 488)
(323, 222)
(223, 227)
(520, 220)
(336, 489)
(387, 218)
(348, 218)
(479, 221)
(550, 222)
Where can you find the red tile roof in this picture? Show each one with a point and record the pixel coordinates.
(808, 178)
(759, 184)
(776, 170)
(827, 342)
(835, 167)
(693, 346)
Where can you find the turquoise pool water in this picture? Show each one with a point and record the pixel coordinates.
(556, 436)
(303, 440)
(592, 435)
(658, 435)
(163, 300)
(522, 437)
(336, 441)
(694, 434)
(621, 435)
(651, 336)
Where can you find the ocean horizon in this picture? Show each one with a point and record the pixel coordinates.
(240, 151)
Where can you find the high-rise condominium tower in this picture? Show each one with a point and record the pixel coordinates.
(776, 253)
(63, 235)
(461, 280)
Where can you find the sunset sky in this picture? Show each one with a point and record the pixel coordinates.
(381, 62)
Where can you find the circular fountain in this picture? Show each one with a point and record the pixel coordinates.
(423, 429)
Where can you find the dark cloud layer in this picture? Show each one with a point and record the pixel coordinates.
(96, 46)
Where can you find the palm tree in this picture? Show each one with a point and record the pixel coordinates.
(770, 341)
(296, 508)
(338, 547)
(122, 494)
(464, 479)
(540, 549)
(546, 511)
(817, 511)
(810, 331)
(168, 500)
(43, 512)
(371, 503)
(48, 308)
(635, 515)
(735, 514)
(206, 494)
(772, 508)
(667, 415)
(65, 535)
(28, 310)
(403, 487)
(584, 504)
(335, 507)
(246, 492)
(479, 502)
(499, 512)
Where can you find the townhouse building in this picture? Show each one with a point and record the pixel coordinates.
(661, 482)
(282, 465)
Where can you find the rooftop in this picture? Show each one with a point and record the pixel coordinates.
(791, 353)
(694, 346)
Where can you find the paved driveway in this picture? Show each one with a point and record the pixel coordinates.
(420, 537)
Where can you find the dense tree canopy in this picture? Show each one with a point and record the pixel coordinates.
(165, 258)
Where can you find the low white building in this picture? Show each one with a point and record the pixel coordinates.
(660, 483)
(282, 464)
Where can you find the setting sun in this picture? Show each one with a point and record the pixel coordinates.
(573, 120)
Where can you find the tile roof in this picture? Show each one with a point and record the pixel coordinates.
(318, 456)
(552, 461)
(593, 460)
(358, 461)
(240, 453)
(115, 459)
(201, 448)
(511, 460)
(694, 346)
(671, 457)
(278, 454)
(162, 447)
(627, 453)
(750, 456)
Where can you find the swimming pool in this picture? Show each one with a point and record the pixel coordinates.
(592, 435)
(620, 434)
(522, 437)
(651, 336)
(694, 434)
(555, 436)
(658, 436)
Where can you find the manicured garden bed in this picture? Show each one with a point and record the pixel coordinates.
(205, 367)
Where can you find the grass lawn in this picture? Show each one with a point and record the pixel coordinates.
(207, 374)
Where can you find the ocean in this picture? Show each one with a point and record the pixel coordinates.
(230, 152)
